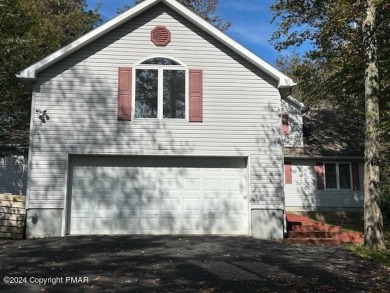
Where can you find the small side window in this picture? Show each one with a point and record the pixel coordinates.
(285, 124)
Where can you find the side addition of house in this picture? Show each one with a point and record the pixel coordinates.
(323, 161)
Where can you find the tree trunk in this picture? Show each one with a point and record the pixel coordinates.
(373, 221)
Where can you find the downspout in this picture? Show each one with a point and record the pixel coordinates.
(283, 93)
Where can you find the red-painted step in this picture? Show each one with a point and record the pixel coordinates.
(302, 230)
(315, 241)
(312, 234)
(349, 237)
(319, 228)
(296, 218)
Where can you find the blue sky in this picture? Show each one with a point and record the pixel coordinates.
(250, 19)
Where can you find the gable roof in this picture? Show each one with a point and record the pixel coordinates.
(297, 104)
(329, 132)
(31, 72)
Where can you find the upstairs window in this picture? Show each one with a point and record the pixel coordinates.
(285, 124)
(160, 89)
(160, 61)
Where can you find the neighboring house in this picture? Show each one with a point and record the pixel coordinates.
(159, 124)
(13, 160)
(323, 159)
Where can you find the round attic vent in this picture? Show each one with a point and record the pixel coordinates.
(160, 36)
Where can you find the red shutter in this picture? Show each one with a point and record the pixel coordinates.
(355, 176)
(320, 176)
(285, 124)
(124, 93)
(288, 172)
(196, 96)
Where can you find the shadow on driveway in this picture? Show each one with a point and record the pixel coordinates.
(183, 263)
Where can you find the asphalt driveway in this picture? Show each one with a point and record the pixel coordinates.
(182, 264)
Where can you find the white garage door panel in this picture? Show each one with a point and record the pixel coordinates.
(123, 195)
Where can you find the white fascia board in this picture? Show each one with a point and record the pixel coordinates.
(283, 80)
(31, 72)
(325, 158)
(299, 105)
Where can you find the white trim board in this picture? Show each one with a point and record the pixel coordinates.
(31, 72)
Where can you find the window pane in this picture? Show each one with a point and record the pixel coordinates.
(345, 176)
(174, 94)
(146, 93)
(330, 176)
(160, 61)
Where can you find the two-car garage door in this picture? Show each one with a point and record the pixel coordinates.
(144, 195)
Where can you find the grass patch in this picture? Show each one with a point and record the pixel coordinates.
(382, 257)
(357, 225)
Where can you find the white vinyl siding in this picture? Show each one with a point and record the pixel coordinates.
(303, 194)
(241, 109)
(295, 122)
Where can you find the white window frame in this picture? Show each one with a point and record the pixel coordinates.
(160, 98)
(338, 175)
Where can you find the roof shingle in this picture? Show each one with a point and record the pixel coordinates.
(330, 132)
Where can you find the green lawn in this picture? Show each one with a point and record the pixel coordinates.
(379, 257)
(382, 257)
